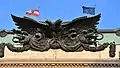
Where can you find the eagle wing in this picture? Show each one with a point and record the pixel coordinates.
(82, 23)
(29, 25)
(72, 32)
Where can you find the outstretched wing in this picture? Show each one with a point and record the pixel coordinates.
(29, 25)
(71, 33)
(82, 23)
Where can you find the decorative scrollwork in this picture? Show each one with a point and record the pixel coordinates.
(73, 36)
(112, 49)
(3, 33)
(2, 46)
(118, 32)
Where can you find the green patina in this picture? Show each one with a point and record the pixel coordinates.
(7, 39)
(108, 37)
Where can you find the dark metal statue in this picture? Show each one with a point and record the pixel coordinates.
(72, 36)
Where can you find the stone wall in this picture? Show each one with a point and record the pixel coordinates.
(57, 58)
(59, 55)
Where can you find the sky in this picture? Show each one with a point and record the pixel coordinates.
(66, 10)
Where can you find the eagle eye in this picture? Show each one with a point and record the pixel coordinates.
(38, 35)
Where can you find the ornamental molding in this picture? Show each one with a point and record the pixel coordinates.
(33, 65)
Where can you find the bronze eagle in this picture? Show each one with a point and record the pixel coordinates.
(69, 35)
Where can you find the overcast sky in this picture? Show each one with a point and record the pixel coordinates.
(60, 9)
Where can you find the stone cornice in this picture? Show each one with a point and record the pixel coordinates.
(105, 64)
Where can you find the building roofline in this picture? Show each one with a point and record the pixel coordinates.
(107, 30)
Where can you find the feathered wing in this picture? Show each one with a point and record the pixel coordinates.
(71, 32)
(82, 23)
(29, 25)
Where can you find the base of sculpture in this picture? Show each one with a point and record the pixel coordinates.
(59, 59)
